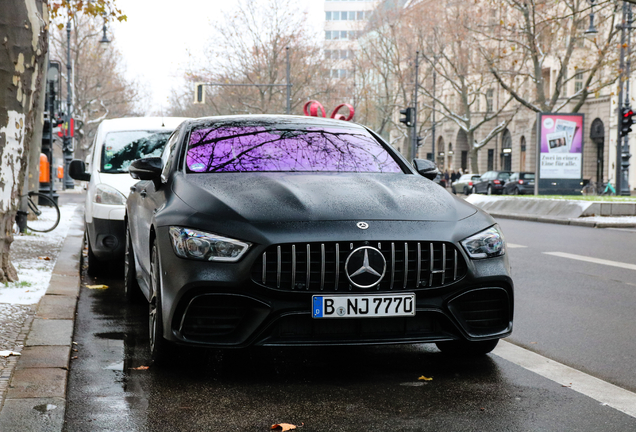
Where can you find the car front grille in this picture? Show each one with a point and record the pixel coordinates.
(320, 267)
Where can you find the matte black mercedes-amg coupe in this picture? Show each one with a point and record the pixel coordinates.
(284, 230)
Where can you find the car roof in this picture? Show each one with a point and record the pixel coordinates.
(141, 123)
(292, 120)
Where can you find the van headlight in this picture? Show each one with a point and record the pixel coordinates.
(485, 244)
(204, 246)
(105, 194)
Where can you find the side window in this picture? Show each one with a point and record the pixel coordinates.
(166, 160)
(513, 177)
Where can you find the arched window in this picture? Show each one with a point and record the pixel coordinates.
(506, 151)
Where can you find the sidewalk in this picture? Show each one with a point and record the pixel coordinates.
(33, 384)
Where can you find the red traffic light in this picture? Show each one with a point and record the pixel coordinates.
(628, 113)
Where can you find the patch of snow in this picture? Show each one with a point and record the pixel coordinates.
(28, 255)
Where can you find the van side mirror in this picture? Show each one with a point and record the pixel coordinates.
(146, 168)
(426, 168)
(77, 170)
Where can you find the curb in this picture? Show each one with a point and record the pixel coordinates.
(574, 221)
(36, 397)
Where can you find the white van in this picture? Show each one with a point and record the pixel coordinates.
(117, 143)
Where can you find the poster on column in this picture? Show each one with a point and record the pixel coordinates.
(561, 146)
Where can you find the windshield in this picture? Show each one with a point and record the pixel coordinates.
(121, 148)
(229, 148)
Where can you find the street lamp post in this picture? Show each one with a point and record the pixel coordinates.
(414, 134)
(624, 187)
(67, 146)
(622, 143)
(433, 126)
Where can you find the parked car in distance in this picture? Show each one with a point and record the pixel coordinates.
(464, 184)
(270, 230)
(117, 143)
(491, 182)
(519, 183)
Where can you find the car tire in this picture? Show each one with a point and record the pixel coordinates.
(453, 190)
(467, 348)
(489, 190)
(466, 190)
(132, 292)
(93, 266)
(515, 191)
(159, 347)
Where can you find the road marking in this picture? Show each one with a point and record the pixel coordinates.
(593, 260)
(604, 392)
(515, 246)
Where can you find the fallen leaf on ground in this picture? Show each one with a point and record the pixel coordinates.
(283, 426)
(141, 368)
(423, 378)
(97, 286)
(9, 353)
(45, 258)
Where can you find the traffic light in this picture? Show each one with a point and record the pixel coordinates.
(408, 116)
(626, 120)
(420, 141)
(199, 93)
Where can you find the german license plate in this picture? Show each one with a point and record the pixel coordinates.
(363, 306)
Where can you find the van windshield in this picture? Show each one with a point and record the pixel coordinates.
(121, 148)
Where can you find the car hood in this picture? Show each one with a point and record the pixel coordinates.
(290, 197)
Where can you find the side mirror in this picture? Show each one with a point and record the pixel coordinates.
(77, 170)
(146, 168)
(426, 168)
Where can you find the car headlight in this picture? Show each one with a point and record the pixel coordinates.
(486, 244)
(105, 194)
(204, 246)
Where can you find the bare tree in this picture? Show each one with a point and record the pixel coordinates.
(541, 46)
(25, 28)
(466, 99)
(100, 89)
(250, 47)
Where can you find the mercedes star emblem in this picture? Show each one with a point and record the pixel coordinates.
(362, 225)
(365, 267)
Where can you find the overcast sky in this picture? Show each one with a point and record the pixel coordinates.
(162, 37)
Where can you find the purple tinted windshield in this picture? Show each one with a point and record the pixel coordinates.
(266, 148)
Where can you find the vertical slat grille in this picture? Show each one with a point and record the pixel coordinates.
(320, 267)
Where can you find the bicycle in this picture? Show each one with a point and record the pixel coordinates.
(44, 208)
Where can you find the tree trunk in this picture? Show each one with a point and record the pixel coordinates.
(24, 32)
(473, 153)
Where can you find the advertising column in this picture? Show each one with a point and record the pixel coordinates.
(560, 153)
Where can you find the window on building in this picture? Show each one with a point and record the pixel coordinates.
(343, 34)
(360, 15)
(564, 84)
(327, 54)
(327, 35)
(352, 15)
(491, 159)
(344, 15)
(344, 54)
(578, 82)
(328, 16)
(489, 100)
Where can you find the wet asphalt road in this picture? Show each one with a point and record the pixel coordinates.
(335, 389)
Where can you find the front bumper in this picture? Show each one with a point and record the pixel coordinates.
(225, 305)
(107, 238)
